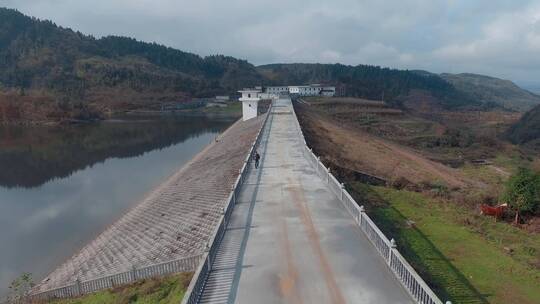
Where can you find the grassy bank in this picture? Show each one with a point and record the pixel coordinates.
(465, 257)
(168, 290)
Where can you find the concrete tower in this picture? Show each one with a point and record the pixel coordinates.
(250, 103)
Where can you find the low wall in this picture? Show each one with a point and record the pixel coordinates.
(358, 175)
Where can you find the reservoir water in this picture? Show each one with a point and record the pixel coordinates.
(61, 186)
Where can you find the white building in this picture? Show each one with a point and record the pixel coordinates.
(302, 90)
(250, 102)
(294, 89)
(277, 90)
(309, 90)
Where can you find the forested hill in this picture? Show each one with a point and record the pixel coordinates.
(48, 72)
(32, 49)
(369, 81)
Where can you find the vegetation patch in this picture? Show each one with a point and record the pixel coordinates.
(457, 251)
(167, 290)
(522, 192)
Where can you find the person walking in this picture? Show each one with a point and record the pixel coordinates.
(257, 158)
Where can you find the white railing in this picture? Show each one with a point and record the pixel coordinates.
(196, 286)
(406, 275)
(78, 287)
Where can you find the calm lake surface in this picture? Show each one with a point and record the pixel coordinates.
(61, 186)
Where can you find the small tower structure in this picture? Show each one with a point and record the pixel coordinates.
(250, 102)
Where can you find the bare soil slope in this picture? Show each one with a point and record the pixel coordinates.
(341, 144)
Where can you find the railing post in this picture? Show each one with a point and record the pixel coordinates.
(393, 247)
(78, 284)
(241, 177)
(362, 210)
(208, 257)
(342, 186)
(328, 175)
(133, 273)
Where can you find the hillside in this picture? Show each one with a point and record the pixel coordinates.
(493, 90)
(49, 72)
(527, 129)
(434, 186)
(371, 82)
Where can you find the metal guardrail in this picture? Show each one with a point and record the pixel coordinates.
(196, 286)
(79, 288)
(406, 275)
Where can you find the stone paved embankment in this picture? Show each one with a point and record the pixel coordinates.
(174, 221)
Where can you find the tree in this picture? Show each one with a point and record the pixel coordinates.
(522, 192)
(20, 288)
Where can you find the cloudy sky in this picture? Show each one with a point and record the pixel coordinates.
(495, 37)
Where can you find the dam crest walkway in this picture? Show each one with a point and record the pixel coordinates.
(290, 239)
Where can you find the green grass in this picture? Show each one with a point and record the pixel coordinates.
(488, 175)
(457, 252)
(493, 177)
(511, 161)
(167, 290)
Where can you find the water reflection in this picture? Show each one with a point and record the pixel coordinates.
(31, 156)
(47, 220)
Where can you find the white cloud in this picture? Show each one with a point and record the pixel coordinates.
(508, 44)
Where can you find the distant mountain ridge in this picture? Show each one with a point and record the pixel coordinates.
(50, 73)
(493, 90)
(527, 130)
(533, 88)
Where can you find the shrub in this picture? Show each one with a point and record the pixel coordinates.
(20, 288)
(522, 192)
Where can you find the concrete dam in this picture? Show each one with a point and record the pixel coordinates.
(286, 232)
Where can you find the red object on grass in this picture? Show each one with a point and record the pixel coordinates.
(496, 211)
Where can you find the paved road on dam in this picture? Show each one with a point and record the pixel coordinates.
(290, 240)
